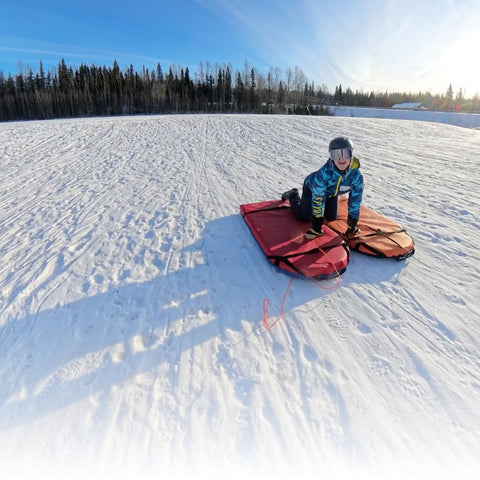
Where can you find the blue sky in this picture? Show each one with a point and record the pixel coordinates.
(394, 45)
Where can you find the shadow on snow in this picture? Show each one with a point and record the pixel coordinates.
(87, 347)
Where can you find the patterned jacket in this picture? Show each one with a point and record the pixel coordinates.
(330, 182)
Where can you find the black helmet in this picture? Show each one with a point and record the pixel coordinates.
(340, 142)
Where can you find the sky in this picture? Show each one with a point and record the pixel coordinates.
(374, 45)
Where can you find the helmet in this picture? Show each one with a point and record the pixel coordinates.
(340, 142)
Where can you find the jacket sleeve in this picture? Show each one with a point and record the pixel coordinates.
(356, 194)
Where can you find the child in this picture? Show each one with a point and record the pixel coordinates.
(340, 175)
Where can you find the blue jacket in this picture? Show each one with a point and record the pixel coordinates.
(330, 182)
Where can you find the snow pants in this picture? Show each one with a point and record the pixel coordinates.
(302, 207)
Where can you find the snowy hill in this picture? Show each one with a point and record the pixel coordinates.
(131, 293)
(468, 120)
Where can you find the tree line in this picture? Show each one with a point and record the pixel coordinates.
(82, 91)
(102, 91)
(445, 102)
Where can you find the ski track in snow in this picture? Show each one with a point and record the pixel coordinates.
(131, 303)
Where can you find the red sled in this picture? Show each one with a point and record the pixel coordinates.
(379, 236)
(282, 238)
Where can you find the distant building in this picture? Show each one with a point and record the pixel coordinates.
(409, 106)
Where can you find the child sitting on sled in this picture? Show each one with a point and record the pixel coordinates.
(340, 175)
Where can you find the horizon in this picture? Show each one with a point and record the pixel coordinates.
(25, 69)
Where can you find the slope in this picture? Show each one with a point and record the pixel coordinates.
(131, 303)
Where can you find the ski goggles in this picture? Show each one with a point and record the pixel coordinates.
(338, 153)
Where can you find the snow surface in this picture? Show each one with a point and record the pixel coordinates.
(468, 120)
(131, 291)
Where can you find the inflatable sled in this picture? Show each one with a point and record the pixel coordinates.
(379, 236)
(282, 238)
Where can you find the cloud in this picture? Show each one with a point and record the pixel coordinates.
(51, 54)
(378, 45)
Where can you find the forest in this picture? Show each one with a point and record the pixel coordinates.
(85, 91)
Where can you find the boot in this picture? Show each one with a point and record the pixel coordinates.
(287, 195)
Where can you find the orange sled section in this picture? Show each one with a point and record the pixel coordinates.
(379, 236)
(282, 238)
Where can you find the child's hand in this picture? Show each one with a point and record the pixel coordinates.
(352, 231)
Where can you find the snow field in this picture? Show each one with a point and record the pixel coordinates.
(131, 304)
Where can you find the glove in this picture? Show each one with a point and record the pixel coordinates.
(352, 227)
(316, 230)
(352, 231)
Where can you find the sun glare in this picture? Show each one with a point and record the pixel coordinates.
(460, 66)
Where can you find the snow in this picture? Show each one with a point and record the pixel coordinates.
(131, 293)
(408, 105)
(467, 120)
